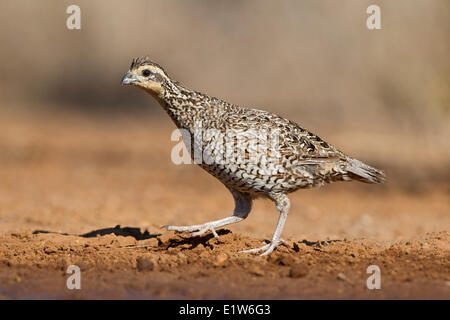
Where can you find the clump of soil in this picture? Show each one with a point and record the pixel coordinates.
(121, 264)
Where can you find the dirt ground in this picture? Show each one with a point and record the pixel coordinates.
(94, 194)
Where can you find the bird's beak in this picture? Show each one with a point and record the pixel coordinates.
(128, 79)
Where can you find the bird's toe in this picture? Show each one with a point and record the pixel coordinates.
(181, 228)
(267, 248)
(194, 231)
(264, 247)
(204, 230)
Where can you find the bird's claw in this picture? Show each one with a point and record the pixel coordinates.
(195, 231)
(204, 230)
(267, 248)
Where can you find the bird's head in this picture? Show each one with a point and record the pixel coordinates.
(146, 75)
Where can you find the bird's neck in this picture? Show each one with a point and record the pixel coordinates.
(185, 107)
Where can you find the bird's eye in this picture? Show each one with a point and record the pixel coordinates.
(146, 73)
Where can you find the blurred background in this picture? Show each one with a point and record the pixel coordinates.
(71, 137)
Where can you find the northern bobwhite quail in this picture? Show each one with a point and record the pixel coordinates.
(298, 159)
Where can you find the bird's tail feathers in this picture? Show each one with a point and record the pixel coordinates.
(363, 172)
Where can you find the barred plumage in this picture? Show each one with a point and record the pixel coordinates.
(299, 159)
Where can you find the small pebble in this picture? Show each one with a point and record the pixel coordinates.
(145, 264)
(257, 271)
(298, 271)
(220, 260)
(341, 276)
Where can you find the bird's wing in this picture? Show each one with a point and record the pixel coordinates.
(294, 140)
(302, 149)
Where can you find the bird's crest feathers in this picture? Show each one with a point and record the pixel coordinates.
(142, 61)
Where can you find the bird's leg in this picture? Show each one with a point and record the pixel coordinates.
(283, 205)
(243, 206)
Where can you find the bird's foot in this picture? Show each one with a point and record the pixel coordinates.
(195, 231)
(267, 248)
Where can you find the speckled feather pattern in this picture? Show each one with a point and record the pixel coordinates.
(304, 160)
(254, 153)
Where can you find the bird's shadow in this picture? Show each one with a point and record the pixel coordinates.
(192, 241)
(173, 242)
(319, 243)
(138, 235)
(117, 230)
